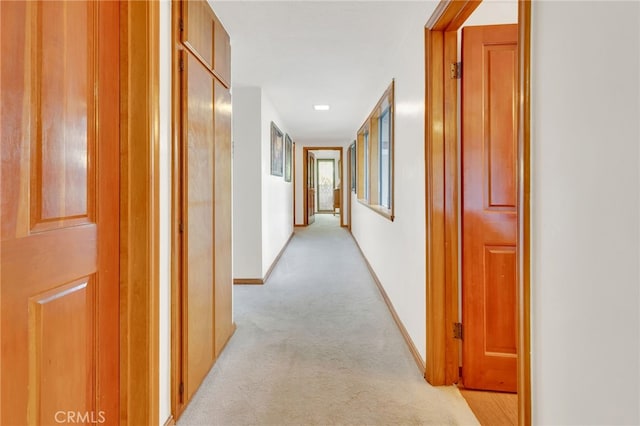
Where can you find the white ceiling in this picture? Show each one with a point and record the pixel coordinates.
(318, 52)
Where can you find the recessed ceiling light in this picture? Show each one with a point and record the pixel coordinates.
(321, 107)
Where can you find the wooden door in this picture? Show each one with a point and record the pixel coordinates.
(489, 210)
(349, 183)
(311, 188)
(198, 226)
(59, 285)
(293, 181)
(222, 214)
(205, 182)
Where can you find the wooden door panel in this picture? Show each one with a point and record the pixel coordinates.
(489, 211)
(499, 276)
(51, 258)
(500, 133)
(62, 157)
(223, 227)
(199, 225)
(199, 29)
(312, 204)
(222, 52)
(61, 331)
(311, 188)
(205, 37)
(15, 104)
(59, 278)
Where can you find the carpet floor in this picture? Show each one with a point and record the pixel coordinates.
(316, 345)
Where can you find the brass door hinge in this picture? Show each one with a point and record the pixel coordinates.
(455, 70)
(457, 330)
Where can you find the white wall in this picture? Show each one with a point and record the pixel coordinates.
(326, 154)
(263, 204)
(247, 181)
(165, 213)
(277, 195)
(493, 12)
(396, 250)
(585, 213)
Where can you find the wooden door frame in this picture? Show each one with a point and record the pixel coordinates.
(349, 177)
(441, 180)
(293, 180)
(139, 212)
(305, 195)
(177, 330)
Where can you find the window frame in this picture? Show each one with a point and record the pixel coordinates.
(367, 168)
(385, 111)
(353, 160)
(369, 158)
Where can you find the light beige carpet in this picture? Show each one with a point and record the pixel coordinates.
(316, 345)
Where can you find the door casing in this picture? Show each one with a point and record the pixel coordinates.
(441, 193)
(293, 181)
(139, 213)
(305, 151)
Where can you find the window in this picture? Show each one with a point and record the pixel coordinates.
(366, 165)
(385, 159)
(374, 157)
(352, 165)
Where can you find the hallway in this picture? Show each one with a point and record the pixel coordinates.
(317, 345)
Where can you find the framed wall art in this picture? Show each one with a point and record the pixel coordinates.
(277, 148)
(288, 148)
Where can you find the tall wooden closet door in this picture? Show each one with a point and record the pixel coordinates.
(223, 274)
(198, 234)
(59, 286)
(206, 277)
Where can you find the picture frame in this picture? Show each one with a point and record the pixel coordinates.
(277, 150)
(288, 148)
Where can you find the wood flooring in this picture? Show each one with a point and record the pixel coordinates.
(492, 408)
